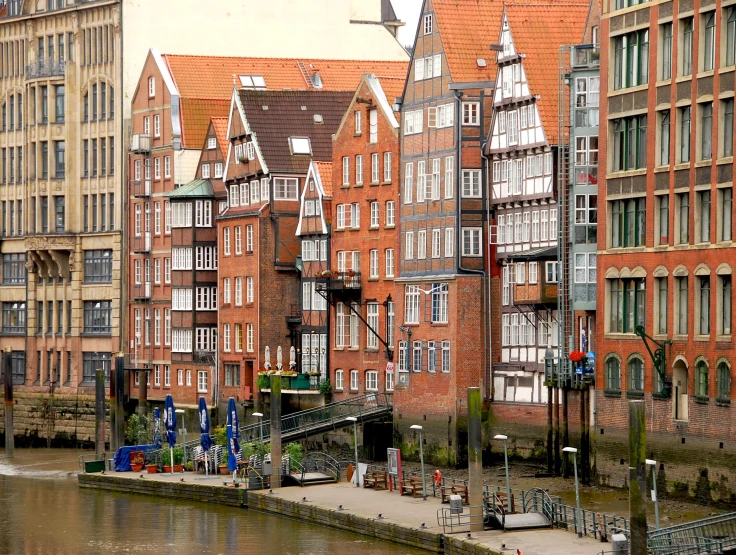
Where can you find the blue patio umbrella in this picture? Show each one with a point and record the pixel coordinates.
(170, 423)
(204, 427)
(157, 441)
(233, 435)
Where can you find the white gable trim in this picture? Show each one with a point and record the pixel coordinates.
(312, 172)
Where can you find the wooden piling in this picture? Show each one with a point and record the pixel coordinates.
(100, 413)
(637, 478)
(9, 428)
(565, 433)
(550, 446)
(475, 460)
(276, 431)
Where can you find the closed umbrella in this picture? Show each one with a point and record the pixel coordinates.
(157, 441)
(170, 423)
(204, 427)
(233, 434)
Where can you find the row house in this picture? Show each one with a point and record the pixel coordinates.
(524, 191)
(173, 108)
(442, 296)
(364, 240)
(665, 229)
(273, 136)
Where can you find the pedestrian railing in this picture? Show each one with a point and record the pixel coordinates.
(453, 522)
(710, 535)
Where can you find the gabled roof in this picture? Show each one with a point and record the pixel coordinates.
(321, 173)
(381, 98)
(467, 28)
(560, 22)
(220, 127)
(197, 188)
(274, 116)
(325, 177)
(214, 76)
(196, 116)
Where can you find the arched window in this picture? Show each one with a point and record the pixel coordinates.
(723, 381)
(701, 379)
(339, 379)
(636, 375)
(613, 374)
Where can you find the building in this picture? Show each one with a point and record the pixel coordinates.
(172, 109)
(364, 240)
(274, 136)
(313, 231)
(665, 237)
(442, 295)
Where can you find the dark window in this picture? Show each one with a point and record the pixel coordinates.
(91, 362)
(44, 214)
(704, 284)
(723, 381)
(627, 305)
(103, 100)
(14, 318)
(98, 266)
(112, 155)
(12, 112)
(18, 366)
(94, 212)
(706, 131)
(94, 102)
(685, 134)
(85, 162)
(112, 212)
(86, 107)
(663, 308)
(636, 375)
(44, 159)
(103, 157)
(44, 104)
(701, 379)
(98, 317)
(613, 374)
(59, 93)
(112, 103)
(94, 157)
(60, 159)
(725, 305)
(628, 225)
(14, 269)
(60, 216)
(86, 213)
(631, 60)
(728, 127)
(39, 317)
(629, 143)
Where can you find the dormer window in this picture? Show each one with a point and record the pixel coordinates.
(300, 145)
(151, 87)
(211, 143)
(256, 82)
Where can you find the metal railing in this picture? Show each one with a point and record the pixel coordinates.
(45, 67)
(459, 522)
(339, 280)
(315, 462)
(707, 535)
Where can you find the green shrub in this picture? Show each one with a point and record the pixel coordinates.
(136, 432)
(263, 382)
(294, 451)
(324, 387)
(220, 435)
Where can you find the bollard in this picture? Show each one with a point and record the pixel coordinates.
(276, 431)
(9, 430)
(637, 478)
(475, 461)
(100, 414)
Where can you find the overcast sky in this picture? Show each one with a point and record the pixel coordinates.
(408, 12)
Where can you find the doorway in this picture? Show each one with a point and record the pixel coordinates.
(680, 390)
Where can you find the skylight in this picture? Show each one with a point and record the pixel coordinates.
(256, 82)
(300, 145)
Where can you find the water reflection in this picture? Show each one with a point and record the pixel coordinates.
(42, 511)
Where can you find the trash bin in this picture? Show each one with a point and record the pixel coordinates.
(620, 544)
(456, 504)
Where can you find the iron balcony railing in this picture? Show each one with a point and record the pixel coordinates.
(45, 67)
(337, 281)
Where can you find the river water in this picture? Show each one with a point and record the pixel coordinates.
(42, 511)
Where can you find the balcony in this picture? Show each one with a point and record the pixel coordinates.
(45, 67)
(339, 281)
(142, 291)
(141, 188)
(204, 357)
(141, 243)
(586, 56)
(140, 144)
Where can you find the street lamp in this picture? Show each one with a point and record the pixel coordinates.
(355, 432)
(260, 424)
(577, 489)
(653, 464)
(506, 459)
(421, 459)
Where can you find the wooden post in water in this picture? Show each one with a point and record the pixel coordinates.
(565, 433)
(558, 458)
(142, 392)
(585, 435)
(637, 478)
(100, 413)
(475, 461)
(276, 431)
(550, 446)
(114, 441)
(9, 430)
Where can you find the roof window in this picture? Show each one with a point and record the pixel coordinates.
(256, 82)
(300, 145)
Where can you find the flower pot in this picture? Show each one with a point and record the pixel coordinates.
(152, 469)
(224, 470)
(167, 469)
(178, 468)
(136, 467)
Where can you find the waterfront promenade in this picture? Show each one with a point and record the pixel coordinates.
(401, 516)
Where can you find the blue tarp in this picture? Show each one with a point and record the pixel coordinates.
(121, 460)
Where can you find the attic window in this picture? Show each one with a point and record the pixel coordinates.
(318, 118)
(317, 80)
(300, 145)
(253, 82)
(481, 62)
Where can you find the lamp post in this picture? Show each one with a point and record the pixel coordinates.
(653, 464)
(506, 461)
(421, 459)
(577, 489)
(260, 425)
(355, 433)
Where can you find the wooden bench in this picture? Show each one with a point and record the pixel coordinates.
(378, 479)
(413, 487)
(462, 491)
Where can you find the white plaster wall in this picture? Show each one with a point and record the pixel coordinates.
(277, 28)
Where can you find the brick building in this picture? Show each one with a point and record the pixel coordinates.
(363, 241)
(274, 136)
(665, 234)
(442, 298)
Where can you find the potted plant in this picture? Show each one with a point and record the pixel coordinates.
(264, 381)
(166, 460)
(152, 468)
(137, 460)
(178, 459)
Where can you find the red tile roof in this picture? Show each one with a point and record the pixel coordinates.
(393, 88)
(325, 174)
(214, 76)
(559, 22)
(220, 127)
(467, 28)
(195, 116)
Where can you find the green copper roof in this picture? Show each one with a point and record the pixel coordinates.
(196, 188)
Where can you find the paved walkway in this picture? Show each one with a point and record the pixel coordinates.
(412, 512)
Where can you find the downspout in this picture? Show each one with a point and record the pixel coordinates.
(489, 193)
(458, 218)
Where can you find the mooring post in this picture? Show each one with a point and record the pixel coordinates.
(585, 435)
(100, 413)
(637, 478)
(558, 457)
(142, 392)
(276, 431)
(114, 411)
(475, 461)
(9, 431)
(565, 433)
(550, 446)
(120, 399)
